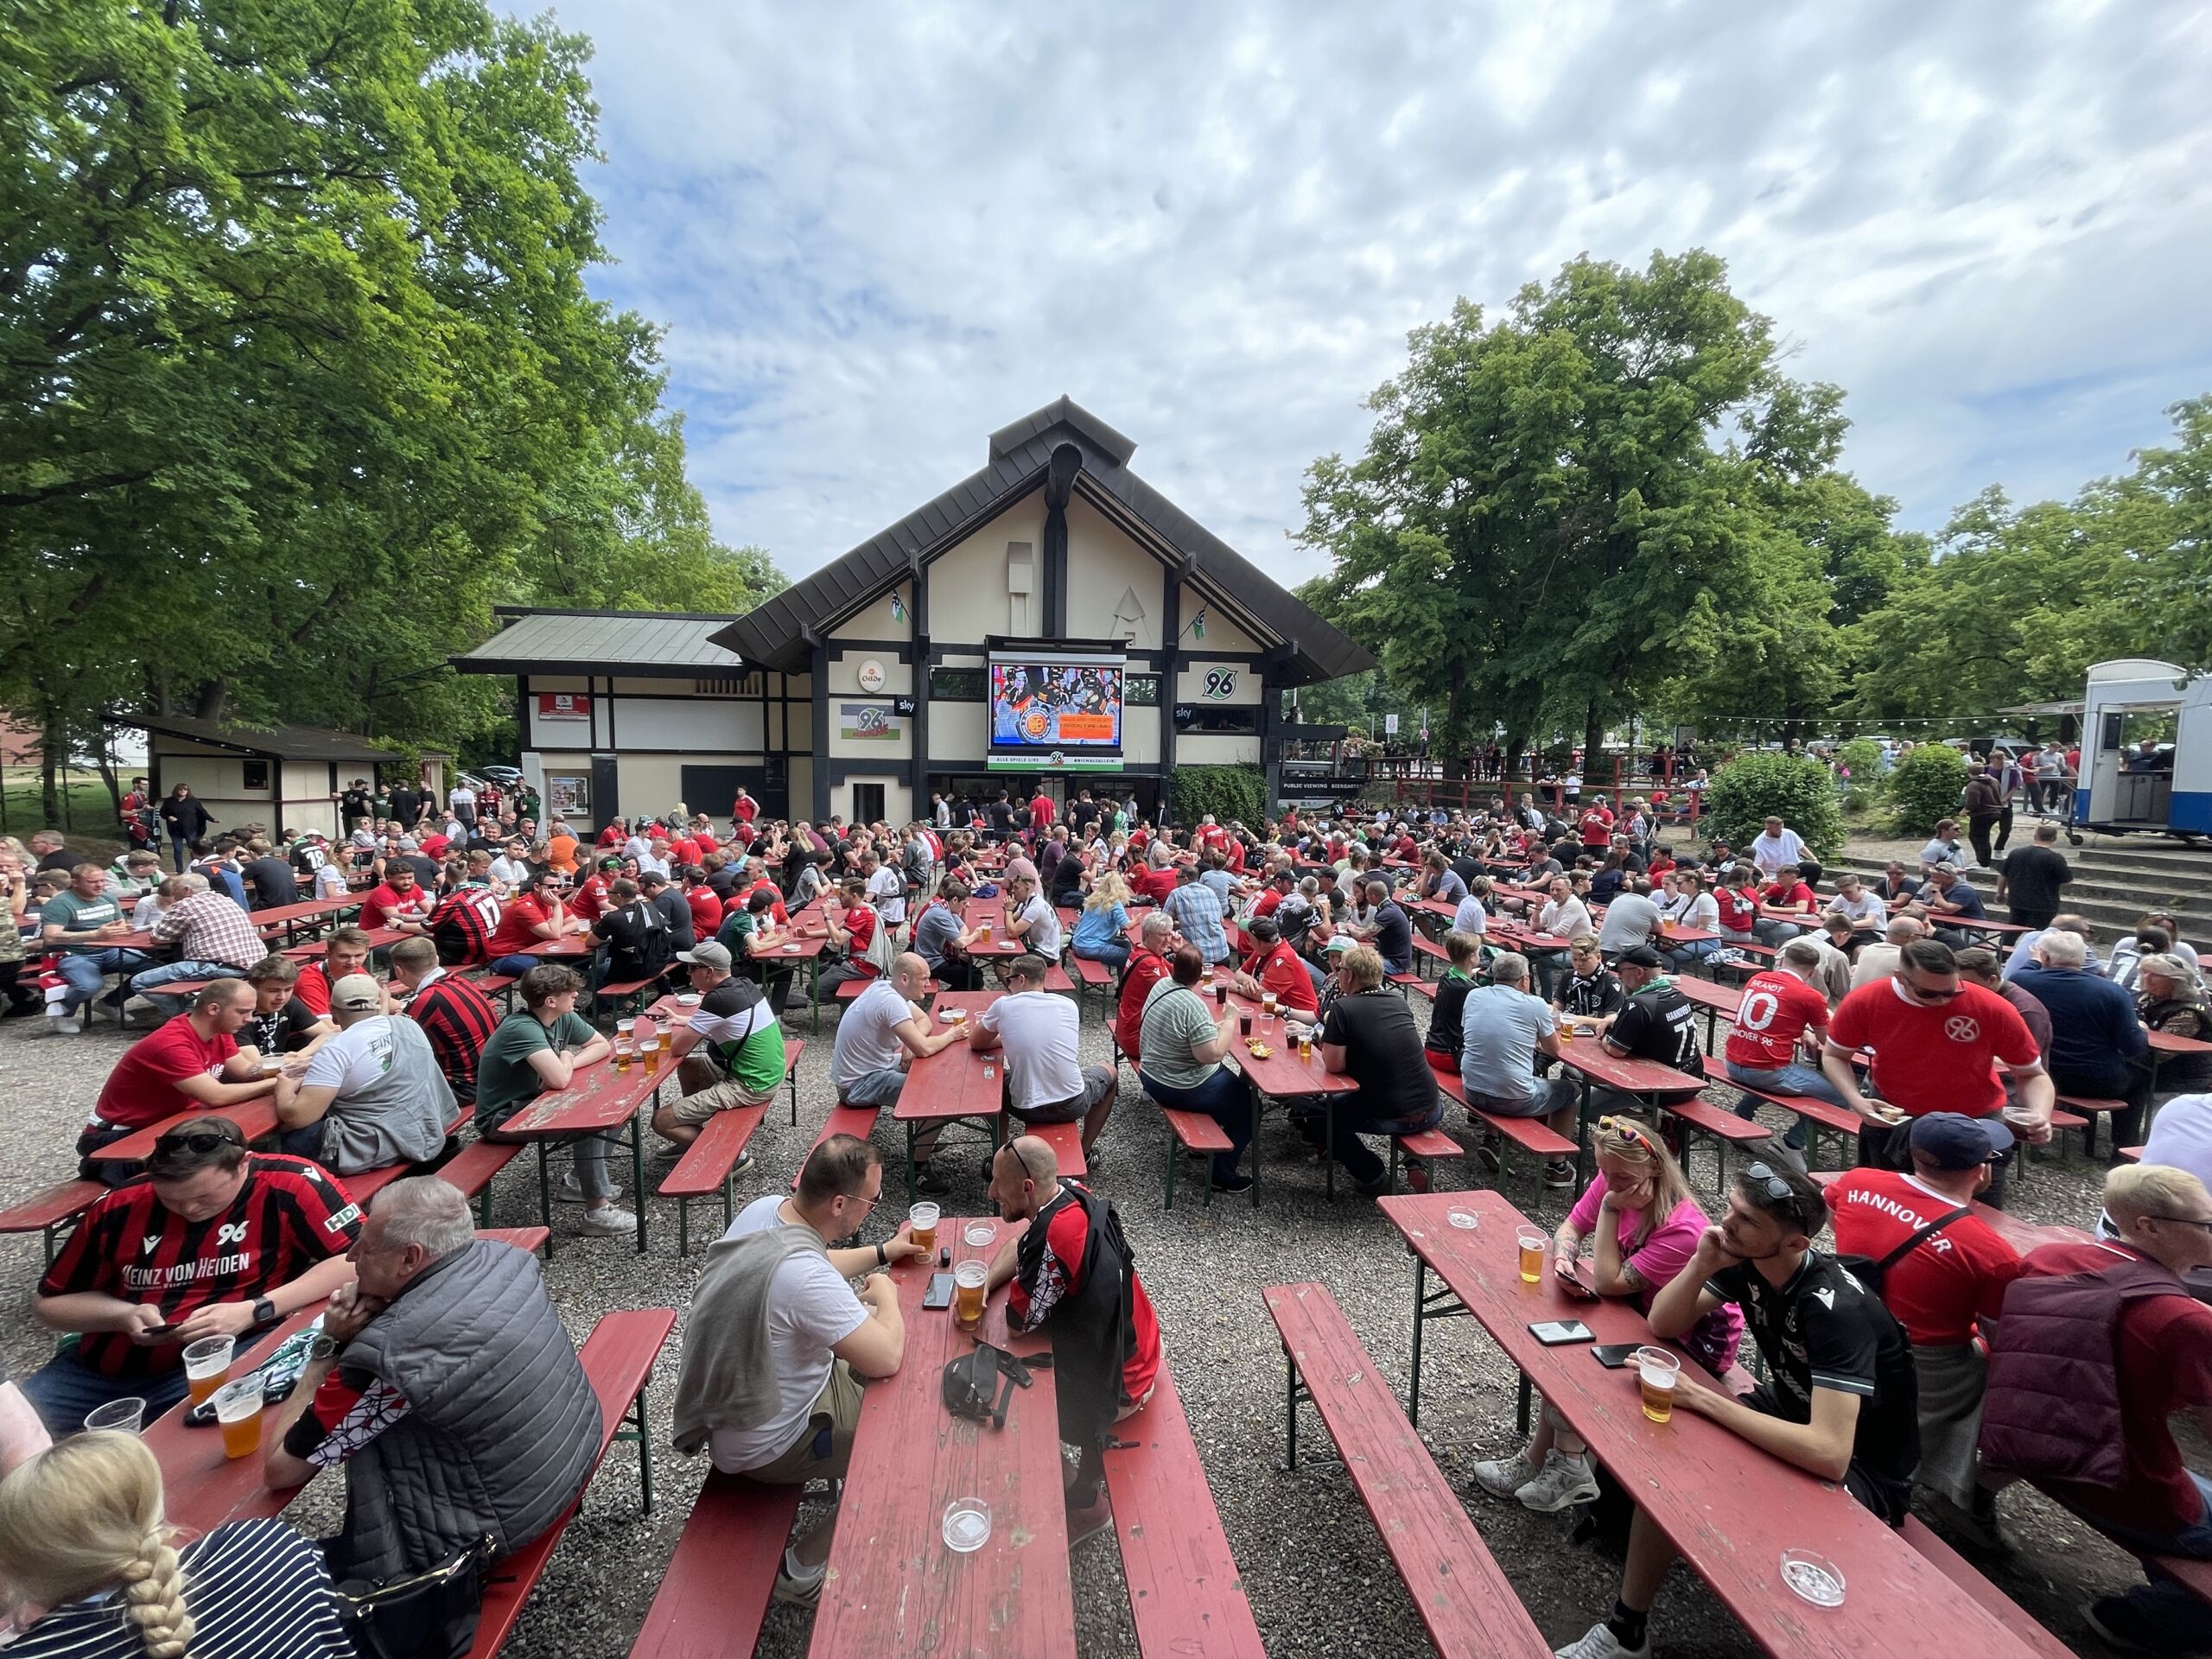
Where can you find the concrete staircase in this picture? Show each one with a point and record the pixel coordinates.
(2116, 879)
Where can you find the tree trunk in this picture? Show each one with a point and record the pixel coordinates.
(51, 747)
(103, 758)
(1593, 740)
(213, 697)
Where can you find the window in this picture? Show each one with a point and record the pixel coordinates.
(1206, 719)
(728, 685)
(868, 802)
(957, 684)
(256, 776)
(1143, 691)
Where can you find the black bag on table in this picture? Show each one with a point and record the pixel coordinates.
(427, 1615)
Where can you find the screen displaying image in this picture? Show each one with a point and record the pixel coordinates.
(1045, 701)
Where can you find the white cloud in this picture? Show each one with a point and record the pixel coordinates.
(877, 233)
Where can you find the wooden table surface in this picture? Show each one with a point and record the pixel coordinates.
(255, 1118)
(1730, 1509)
(601, 1098)
(950, 1083)
(893, 1587)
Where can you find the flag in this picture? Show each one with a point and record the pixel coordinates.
(897, 609)
(1198, 625)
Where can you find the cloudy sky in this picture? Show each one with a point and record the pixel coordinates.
(876, 233)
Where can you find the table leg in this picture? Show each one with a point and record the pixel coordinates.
(1255, 1095)
(814, 992)
(1329, 1142)
(545, 1192)
(638, 1176)
(1290, 1408)
(1412, 1387)
(1520, 1405)
(912, 1190)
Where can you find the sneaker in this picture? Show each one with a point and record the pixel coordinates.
(1238, 1182)
(2121, 1623)
(744, 1162)
(1599, 1643)
(1490, 1154)
(1559, 1175)
(1503, 1476)
(795, 1592)
(1090, 1523)
(610, 1218)
(1562, 1482)
(570, 1191)
(1417, 1178)
(926, 1179)
(65, 1024)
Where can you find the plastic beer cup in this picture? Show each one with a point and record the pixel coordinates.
(968, 1294)
(1655, 1371)
(237, 1409)
(1532, 1254)
(651, 1055)
(207, 1367)
(1306, 1046)
(1244, 1023)
(122, 1416)
(1267, 1003)
(923, 1219)
(622, 1056)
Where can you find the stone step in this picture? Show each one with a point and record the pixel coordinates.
(2112, 908)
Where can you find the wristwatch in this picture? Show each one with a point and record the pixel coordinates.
(324, 1347)
(264, 1311)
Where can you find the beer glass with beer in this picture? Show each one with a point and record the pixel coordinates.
(622, 1056)
(1655, 1371)
(238, 1410)
(207, 1367)
(968, 1294)
(1532, 1244)
(923, 1219)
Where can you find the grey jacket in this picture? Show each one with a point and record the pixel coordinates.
(728, 1375)
(401, 1117)
(502, 1428)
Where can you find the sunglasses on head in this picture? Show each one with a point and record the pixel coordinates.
(1761, 1178)
(195, 1140)
(1621, 1128)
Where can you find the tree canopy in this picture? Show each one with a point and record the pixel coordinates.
(302, 371)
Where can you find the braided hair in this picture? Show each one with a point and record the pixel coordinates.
(85, 1516)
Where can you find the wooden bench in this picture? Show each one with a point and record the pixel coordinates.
(1421, 1149)
(1718, 1124)
(51, 1212)
(1190, 1132)
(1064, 1139)
(1465, 1602)
(858, 1121)
(709, 1163)
(471, 1168)
(2194, 1576)
(2132, 1155)
(1817, 1114)
(618, 1357)
(1406, 981)
(618, 992)
(1056, 979)
(1993, 1601)
(1532, 1135)
(715, 1590)
(499, 985)
(1425, 946)
(1186, 1595)
(2089, 1109)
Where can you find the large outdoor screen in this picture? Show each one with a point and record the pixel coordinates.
(1066, 702)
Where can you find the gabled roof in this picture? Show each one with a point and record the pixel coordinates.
(645, 645)
(780, 632)
(281, 742)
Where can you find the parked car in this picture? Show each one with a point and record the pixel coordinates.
(505, 777)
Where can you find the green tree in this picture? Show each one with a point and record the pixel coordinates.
(1926, 787)
(1561, 512)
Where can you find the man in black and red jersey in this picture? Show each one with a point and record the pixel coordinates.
(1069, 1271)
(212, 1241)
(454, 1013)
(462, 924)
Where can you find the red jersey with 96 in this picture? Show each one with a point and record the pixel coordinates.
(288, 1217)
(1776, 1009)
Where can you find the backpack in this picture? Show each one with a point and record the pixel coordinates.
(2050, 1411)
(1870, 1273)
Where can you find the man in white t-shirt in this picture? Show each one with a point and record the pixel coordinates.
(788, 1417)
(881, 1032)
(371, 1095)
(1777, 848)
(887, 889)
(1045, 1083)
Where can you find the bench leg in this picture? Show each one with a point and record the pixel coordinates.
(1175, 1157)
(1412, 1386)
(640, 1430)
(1290, 1395)
(791, 1077)
(683, 1226)
(1520, 1405)
(545, 1192)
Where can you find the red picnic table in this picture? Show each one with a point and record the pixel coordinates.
(1728, 1508)
(955, 1082)
(1716, 999)
(602, 1101)
(201, 1488)
(1647, 1080)
(291, 918)
(2165, 1045)
(255, 1118)
(803, 951)
(378, 937)
(893, 1586)
(1279, 1075)
(991, 912)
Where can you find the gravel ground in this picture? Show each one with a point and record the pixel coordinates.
(1319, 1581)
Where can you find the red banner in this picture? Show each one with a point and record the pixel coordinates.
(563, 705)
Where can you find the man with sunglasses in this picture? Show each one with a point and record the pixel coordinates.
(783, 1412)
(211, 1241)
(1937, 1043)
(1838, 1400)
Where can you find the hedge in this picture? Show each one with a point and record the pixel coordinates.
(1795, 788)
(1238, 792)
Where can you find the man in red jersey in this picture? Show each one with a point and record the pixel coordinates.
(211, 1241)
(1148, 966)
(189, 1061)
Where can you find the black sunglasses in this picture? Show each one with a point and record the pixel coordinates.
(2181, 1221)
(1763, 1179)
(195, 1140)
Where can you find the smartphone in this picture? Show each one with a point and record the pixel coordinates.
(1569, 1282)
(939, 1293)
(1614, 1355)
(1552, 1332)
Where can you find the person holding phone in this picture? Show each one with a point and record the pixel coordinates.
(1646, 1226)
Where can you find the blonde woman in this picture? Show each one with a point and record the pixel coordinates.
(1647, 1226)
(1102, 931)
(86, 1558)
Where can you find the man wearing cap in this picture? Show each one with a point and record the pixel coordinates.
(1952, 1274)
(739, 1059)
(1657, 1022)
(211, 1241)
(373, 1095)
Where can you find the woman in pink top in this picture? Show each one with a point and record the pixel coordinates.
(1647, 1227)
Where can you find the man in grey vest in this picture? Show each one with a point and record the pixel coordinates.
(373, 1094)
(445, 1383)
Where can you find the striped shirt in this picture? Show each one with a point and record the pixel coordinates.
(207, 927)
(457, 1018)
(462, 926)
(256, 1590)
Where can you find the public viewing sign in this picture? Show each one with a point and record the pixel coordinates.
(1057, 707)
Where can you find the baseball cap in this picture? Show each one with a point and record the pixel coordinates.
(708, 955)
(610, 862)
(1639, 956)
(356, 992)
(1953, 1141)
(1340, 941)
(408, 844)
